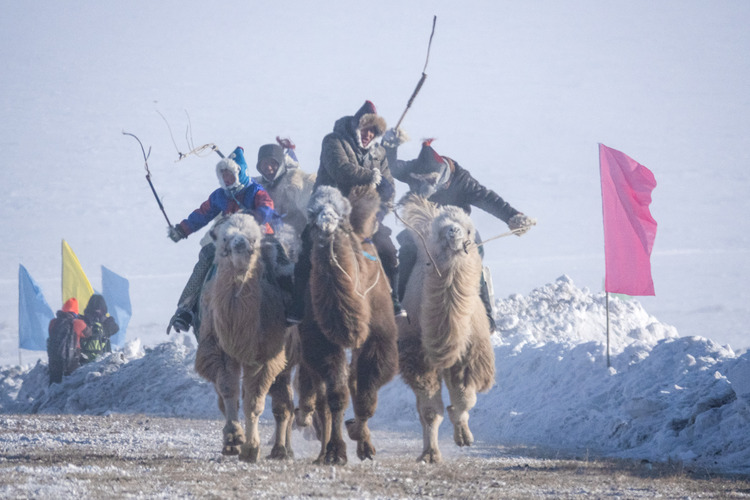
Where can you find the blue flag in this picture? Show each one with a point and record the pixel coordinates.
(116, 291)
(34, 314)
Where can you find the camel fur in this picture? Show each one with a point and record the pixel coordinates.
(243, 335)
(348, 307)
(447, 335)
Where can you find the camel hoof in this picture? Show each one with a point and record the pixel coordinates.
(365, 450)
(280, 453)
(249, 453)
(430, 457)
(230, 450)
(335, 454)
(462, 435)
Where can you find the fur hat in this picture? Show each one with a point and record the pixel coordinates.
(428, 161)
(71, 305)
(231, 165)
(367, 116)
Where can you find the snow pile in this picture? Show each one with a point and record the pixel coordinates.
(663, 398)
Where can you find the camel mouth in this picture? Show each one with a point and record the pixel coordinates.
(327, 220)
(454, 237)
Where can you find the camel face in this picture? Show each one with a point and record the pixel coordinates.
(327, 220)
(238, 238)
(454, 231)
(328, 208)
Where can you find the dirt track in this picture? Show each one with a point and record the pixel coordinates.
(135, 456)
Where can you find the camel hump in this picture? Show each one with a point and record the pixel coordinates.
(365, 202)
(418, 212)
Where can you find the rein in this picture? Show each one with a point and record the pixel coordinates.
(356, 268)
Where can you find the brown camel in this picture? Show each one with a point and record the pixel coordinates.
(348, 307)
(243, 335)
(447, 335)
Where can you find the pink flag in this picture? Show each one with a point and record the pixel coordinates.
(629, 229)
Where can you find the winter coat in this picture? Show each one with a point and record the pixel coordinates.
(461, 190)
(290, 193)
(345, 164)
(251, 197)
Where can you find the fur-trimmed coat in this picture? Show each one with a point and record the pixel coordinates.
(290, 194)
(461, 190)
(344, 163)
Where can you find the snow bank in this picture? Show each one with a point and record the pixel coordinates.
(663, 397)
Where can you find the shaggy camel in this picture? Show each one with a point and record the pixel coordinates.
(447, 335)
(243, 335)
(348, 306)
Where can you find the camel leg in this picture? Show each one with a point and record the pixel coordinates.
(309, 385)
(430, 408)
(227, 387)
(255, 386)
(373, 366)
(214, 365)
(463, 398)
(282, 403)
(324, 363)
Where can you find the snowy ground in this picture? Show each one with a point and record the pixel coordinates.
(137, 456)
(520, 93)
(664, 399)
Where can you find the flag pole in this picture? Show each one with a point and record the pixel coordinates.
(608, 365)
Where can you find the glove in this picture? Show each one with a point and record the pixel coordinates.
(393, 138)
(377, 176)
(176, 233)
(521, 223)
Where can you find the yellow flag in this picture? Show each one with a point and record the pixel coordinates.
(74, 280)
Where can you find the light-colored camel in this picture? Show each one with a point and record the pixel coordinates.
(348, 307)
(447, 334)
(243, 335)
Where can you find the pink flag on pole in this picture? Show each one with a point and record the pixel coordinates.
(629, 229)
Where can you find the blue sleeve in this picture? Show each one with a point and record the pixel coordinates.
(204, 214)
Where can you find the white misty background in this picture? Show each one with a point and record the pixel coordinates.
(518, 93)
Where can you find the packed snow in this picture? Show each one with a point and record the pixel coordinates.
(664, 397)
(519, 93)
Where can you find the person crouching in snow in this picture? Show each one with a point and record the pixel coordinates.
(443, 181)
(100, 326)
(236, 192)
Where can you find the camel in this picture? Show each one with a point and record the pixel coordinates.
(348, 307)
(243, 335)
(447, 334)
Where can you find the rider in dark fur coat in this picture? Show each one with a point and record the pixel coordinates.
(442, 180)
(351, 157)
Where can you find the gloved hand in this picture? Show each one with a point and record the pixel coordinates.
(393, 138)
(176, 233)
(377, 176)
(521, 223)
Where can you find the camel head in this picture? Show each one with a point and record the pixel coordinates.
(327, 209)
(237, 238)
(453, 229)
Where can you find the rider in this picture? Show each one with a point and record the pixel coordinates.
(350, 157)
(236, 192)
(442, 180)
